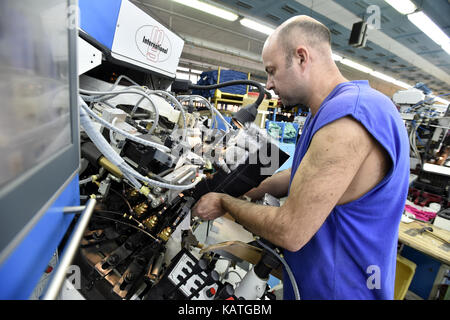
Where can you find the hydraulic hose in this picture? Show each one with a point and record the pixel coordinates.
(118, 161)
(232, 83)
(286, 266)
(124, 133)
(112, 94)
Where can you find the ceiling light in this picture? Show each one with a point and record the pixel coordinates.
(382, 76)
(355, 65)
(387, 78)
(402, 84)
(424, 23)
(205, 7)
(402, 6)
(256, 26)
(182, 69)
(196, 71)
(446, 47)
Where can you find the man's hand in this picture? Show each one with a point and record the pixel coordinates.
(209, 207)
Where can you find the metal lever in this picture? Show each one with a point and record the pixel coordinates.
(71, 248)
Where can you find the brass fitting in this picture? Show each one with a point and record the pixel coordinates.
(108, 165)
(145, 190)
(133, 193)
(165, 234)
(151, 222)
(140, 209)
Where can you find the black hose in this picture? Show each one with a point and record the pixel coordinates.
(232, 83)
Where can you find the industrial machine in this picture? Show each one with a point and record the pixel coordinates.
(428, 125)
(145, 156)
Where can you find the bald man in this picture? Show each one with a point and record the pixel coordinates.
(349, 179)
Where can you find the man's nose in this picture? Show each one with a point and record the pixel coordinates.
(269, 84)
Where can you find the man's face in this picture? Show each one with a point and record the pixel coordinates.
(283, 78)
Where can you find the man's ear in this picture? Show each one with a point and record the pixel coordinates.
(301, 55)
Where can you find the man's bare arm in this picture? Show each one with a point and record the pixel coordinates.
(335, 155)
(276, 185)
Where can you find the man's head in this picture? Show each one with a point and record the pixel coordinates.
(295, 55)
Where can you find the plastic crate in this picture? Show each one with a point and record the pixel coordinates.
(403, 276)
(294, 138)
(281, 135)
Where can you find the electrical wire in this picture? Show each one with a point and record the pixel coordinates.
(103, 145)
(213, 110)
(286, 266)
(106, 149)
(122, 132)
(122, 76)
(413, 143)
(123, 198)
(111, 132)
(128, 225)
(125, 216)
(112, 94)
(232, 83)
(84, 181)
(178, 105)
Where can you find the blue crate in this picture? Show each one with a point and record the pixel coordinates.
(293, 139)
(211, 77)
(282, 126)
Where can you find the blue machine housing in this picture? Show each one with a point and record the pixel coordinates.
(99, 19)
(21, 272)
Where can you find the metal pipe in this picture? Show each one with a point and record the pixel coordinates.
(69, 253)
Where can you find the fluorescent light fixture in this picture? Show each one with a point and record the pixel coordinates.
(402, 6)
(256, 26)
(402, 84)
(424, 23)
(382, 76)
(387, 78)
(336, 57)
(182, 69)
(374, 73)
(355, 65)
(446, 47)
(205, 7)
(196, 71)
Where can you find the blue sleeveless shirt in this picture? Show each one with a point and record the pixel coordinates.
(353, 254)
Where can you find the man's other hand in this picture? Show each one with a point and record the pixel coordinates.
(209, 207)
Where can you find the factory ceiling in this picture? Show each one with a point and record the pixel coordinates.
(398, 48)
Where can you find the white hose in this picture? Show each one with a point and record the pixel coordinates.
(126, 91)
(103, 145)
(178, 104)
(111, 132)
(287, 268)
(84, 181)
(112, 155)
(161, 184)
(213, 110)
(122, 132)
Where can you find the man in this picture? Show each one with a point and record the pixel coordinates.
(349, 178)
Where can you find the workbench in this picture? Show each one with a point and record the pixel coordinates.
(431, 254)
(425, 242)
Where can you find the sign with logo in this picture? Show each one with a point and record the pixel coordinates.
(143, 41)
(153, 43)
